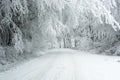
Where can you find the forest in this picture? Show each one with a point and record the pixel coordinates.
(59, 39)
(28, 26)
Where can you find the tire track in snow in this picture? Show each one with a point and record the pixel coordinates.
(40, 71)
(60, 70)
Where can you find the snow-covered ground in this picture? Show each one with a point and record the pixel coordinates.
(66, 64)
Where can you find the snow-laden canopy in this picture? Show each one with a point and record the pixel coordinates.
(57, 22)
(67, 12)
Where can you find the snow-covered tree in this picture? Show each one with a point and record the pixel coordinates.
(12, 18)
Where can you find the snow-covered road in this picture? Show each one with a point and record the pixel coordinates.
(66, 65)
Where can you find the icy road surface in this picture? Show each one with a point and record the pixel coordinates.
(66, 65)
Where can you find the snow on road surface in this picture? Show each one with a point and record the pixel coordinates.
(66, 65)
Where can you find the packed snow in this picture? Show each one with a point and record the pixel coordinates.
(65, 64)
